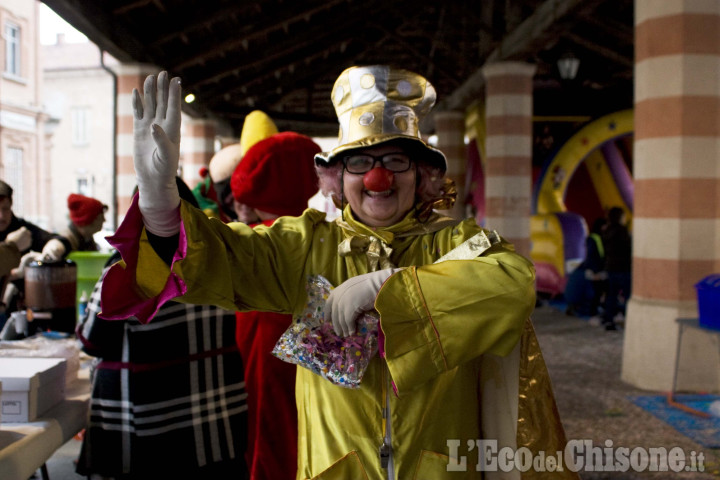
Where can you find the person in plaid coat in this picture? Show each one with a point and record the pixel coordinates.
(168, 399)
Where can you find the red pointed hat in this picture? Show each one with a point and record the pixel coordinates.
(84, 210)
(277, 175)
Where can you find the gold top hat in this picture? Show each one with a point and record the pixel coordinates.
(377, 104)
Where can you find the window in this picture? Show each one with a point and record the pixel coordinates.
(12, 49)
(14, 176)
(83, 187)
(80, 125)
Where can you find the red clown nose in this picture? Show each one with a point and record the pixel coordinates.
(378, 179)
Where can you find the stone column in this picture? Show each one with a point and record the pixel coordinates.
(450, 130)
(676, 223)
(129, 76)
(196, 148)
(508, 147)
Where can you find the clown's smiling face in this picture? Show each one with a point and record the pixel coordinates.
(380, 208)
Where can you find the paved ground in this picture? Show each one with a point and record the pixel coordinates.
(584, 363)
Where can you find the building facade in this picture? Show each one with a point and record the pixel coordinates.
(78, 93)
(24, 162)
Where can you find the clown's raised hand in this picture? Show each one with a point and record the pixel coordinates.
(156, 152)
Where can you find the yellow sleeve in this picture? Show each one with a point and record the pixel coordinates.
(436, 317)
(234, 266)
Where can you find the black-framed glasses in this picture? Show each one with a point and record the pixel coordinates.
(362, 163)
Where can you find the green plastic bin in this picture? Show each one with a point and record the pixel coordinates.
(89, 268)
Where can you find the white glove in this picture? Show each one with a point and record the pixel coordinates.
(53, 250)
(26, 260)
(353, 297)
(22, 238)
(156, 152)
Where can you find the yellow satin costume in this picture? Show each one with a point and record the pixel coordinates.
(460, 350)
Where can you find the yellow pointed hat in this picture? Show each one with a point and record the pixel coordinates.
(377, 104)
(258, 126)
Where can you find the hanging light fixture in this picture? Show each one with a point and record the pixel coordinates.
(568, 65)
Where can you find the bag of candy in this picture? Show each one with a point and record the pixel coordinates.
(312, 343)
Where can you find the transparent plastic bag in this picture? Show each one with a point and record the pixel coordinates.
(312, 343)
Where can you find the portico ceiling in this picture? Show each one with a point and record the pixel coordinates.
(283, 56)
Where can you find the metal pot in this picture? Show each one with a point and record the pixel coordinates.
(50, 285)
(50, 295)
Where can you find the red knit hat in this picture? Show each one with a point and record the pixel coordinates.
(83, 210)
(277, 175)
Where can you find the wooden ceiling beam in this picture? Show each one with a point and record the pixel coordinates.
(624, 33)
(274, 24)
(601, 50)
(424, 58)
(516, 45)
(259, 81)
(139, 4)
(331, 38)
(203, 21)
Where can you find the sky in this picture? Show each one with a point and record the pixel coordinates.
(51, 24)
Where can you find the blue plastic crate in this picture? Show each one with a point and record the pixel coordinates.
(708, 297)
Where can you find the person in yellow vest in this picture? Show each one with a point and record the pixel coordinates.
(458, 360)
(586, 284)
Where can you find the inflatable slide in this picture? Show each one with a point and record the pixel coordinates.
(588, 175)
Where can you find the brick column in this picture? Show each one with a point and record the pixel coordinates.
(129, 76)
(450, 130)
(676, 218)
(508, 147)
(196, 147)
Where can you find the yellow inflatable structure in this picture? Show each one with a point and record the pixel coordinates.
(558, 235)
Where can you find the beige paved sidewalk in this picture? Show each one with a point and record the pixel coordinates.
(584, 363)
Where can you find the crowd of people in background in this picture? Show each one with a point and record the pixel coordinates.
(600, 286)
(23, 242)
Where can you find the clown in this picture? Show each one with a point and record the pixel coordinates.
(458, 358)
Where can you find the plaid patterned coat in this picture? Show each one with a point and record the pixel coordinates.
(168, 398)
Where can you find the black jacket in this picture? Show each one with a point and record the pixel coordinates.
(39, 236)
(618, 248)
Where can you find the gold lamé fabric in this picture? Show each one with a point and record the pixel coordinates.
(539, 426)
(379, 103)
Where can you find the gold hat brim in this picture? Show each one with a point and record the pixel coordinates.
(416, 145)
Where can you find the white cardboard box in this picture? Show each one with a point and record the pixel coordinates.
(30, 387)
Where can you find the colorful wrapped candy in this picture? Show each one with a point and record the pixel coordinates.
(312, 343)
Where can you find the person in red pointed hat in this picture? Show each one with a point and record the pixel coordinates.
(213, 192)
(275, 177)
